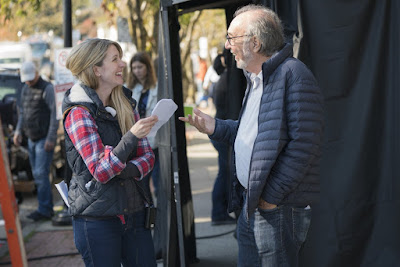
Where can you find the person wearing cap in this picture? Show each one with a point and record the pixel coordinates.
(37, 120)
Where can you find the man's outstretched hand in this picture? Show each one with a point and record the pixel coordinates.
(203, 122)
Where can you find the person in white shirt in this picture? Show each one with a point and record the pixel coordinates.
(276, 141)
(209, 82)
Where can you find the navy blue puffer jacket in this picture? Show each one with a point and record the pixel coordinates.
(287, 150)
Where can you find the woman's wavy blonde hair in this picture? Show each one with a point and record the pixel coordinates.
(81, 61)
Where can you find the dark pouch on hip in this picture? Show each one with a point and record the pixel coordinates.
(151, 213)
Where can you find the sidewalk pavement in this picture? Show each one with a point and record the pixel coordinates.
(42, 240)
(203, 166)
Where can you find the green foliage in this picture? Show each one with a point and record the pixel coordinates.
(142, 16)
(185, 19)
(9, 8)
(30, 16)
(111, 6)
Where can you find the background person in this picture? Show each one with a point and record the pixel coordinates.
(220, 193)
(201, 96)
(277, 141)
(142, 80)
(37, 119)
(109, 155)
(210, 79)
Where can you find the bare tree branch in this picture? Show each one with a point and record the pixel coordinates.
(133, 21)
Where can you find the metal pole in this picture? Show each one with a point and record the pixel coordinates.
(175, 167)
(67, 29)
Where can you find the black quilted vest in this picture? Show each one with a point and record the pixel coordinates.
(36, 111)
(118, 196)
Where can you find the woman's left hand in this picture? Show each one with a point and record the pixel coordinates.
(143, 126)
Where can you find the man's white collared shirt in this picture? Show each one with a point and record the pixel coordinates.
(248, 130)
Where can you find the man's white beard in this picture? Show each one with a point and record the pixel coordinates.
(247, 57)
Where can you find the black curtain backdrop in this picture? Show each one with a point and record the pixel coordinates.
(352, 47)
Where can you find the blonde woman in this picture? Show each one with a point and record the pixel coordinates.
(109, 154)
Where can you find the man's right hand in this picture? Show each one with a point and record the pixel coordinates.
(203, 122)
(17, 139)
(265, 205)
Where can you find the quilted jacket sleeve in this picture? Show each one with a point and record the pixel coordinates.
(225, 131)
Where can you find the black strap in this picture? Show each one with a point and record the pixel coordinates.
(146, 195)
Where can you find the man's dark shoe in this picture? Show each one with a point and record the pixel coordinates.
(225, 221)
(36, 216)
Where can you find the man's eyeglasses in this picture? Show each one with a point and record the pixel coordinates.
(229, 38)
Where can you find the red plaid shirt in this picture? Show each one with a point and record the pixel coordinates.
(82, 129)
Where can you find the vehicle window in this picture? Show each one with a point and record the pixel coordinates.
(10, 85)
(10, 60)
(4, 90)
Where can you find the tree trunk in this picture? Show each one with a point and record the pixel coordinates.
(154, 43)
(133, 22)
(142, 30)
(187, 67)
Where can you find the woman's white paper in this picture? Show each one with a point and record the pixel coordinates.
(63, 190)
(164, 109)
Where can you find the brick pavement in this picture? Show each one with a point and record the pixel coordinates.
(42, 246)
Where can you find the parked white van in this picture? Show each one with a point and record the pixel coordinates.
(12, 55)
